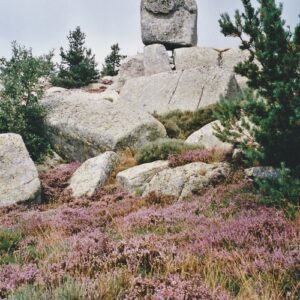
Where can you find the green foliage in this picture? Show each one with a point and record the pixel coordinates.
(78, 66)
(20, 111)
(273, 72)
(281, 192)
(9, 240)
(161, 149)
(112, 62)
(181, 125)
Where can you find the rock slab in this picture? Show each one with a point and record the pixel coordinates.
(134, 179)
(19, 181)
(172, 23)
(187, 90)
(93, 174)
(81, 126)
(156, 60)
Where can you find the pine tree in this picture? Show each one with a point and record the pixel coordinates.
(273, 71)
(78, 66)
(112, 62)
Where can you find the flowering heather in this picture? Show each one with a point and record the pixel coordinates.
(221, 244)
(200, 155)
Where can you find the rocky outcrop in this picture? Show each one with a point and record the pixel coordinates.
(262, 173)
(134, 179)
(185, 90)
(93, 174)
(132, 67)
(81, 126)
(181, 182)
(19, 181)
(172, 23)
(156, 60)
(205, 137)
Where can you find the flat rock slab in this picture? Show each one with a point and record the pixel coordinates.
(19, 181)
(93, 174)
(81, 126)
(187, 90)
(134, 179)
(172, 23)
(182, 181)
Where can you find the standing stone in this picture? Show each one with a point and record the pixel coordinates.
(172, 23)
(156, 59)
(19, 181)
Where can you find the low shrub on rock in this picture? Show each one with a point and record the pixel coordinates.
(161, 149)
(181, 124)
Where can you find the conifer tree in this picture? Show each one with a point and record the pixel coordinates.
(78, 66)
(273, 71)
(112, 62)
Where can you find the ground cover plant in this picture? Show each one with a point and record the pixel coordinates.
(220, 244)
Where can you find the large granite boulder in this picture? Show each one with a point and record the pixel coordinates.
(172, 23)
(189, 58)
(134, 179)
(206, 137)
(19, 181)
(156, 59)
(182, 181)
(131, 67)
(93, 174)
(81, 126)
(185, 90)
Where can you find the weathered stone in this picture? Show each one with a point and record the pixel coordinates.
(262, 172)
(93, 174)
(172, 23)
(156, 59)
(185, 90)
(182, 181)
(135, 179)
(205, 137)
(82, 126)
(19, 181)
(111, 96)
(131, 67)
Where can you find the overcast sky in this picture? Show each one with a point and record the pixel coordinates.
(44, 24)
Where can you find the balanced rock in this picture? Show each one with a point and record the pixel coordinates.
(135, 179)
(81, 126)
(19, 181)
(185, 90)
(172, 23)
(182, 181)
(206, 137)
(156, 59)
(93, 174)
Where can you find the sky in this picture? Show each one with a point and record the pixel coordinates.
(44, 24)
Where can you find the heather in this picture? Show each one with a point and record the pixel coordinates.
(219, 244)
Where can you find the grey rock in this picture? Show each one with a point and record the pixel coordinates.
(262, 173)
(156, 59)
(172, 23)
(93, 174)
(82, 126)
(206, 137)
(185, 90)
(135, 179)
(131, 67)
(19, 181)
(182, 181)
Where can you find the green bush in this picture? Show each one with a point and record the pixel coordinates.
(272, 70)
(181, 125)
(9, 240)
(161, 149)
(20, 111)
(78, 66)
(281, 192)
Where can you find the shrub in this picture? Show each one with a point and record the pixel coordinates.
(161, 149)
(20, 111)
(78, 65)
(9, 240)
(112, 62)
(202, 155)
(272, 70)
(180, 124)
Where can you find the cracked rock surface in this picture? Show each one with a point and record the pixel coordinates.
(19, 181)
